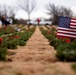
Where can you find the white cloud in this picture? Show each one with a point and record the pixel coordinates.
(21, 14)
(38, 14)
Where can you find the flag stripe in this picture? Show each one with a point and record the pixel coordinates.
(67, 29)
(74, 27)
(72, 23)
(72, 33)
(73, 20)
(66, 35)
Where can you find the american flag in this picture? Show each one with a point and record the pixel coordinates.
(66, 27)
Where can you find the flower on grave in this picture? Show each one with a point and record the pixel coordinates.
(16, 36)
(48, 31)
(0, 39)
(4, 27)
(67, 40)
(59, 37)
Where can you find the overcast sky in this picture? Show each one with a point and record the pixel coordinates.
(41, 11)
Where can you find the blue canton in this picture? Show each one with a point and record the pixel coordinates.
(64, 22)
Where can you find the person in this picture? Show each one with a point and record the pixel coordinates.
(4, 21)
(38, 20)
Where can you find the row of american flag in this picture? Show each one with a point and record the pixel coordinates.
(67, 27)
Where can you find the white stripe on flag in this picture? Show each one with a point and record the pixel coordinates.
(73, 23)
(73, 26)
(65, 35)
(73, 20)
(61, 31)
(66, 29)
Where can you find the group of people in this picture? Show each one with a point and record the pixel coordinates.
(4, 21)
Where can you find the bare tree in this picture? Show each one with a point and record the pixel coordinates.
(1, 12)
(56, 11)
(66, 12)
(9, 11)
(28, 6)
(5, 10)
(12, 12)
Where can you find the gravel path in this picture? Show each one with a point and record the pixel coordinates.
(36, 49)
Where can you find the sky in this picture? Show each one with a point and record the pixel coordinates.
(40, 7)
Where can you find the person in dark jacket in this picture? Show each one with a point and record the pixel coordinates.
(4, 21)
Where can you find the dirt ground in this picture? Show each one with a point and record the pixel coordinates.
(36, 58)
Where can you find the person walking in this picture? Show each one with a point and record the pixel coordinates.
(38, 20)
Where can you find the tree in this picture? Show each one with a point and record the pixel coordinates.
(12, 12)
(27, 6)
(9, 11)
(1, 12)
(56, 11)
(5, 10)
